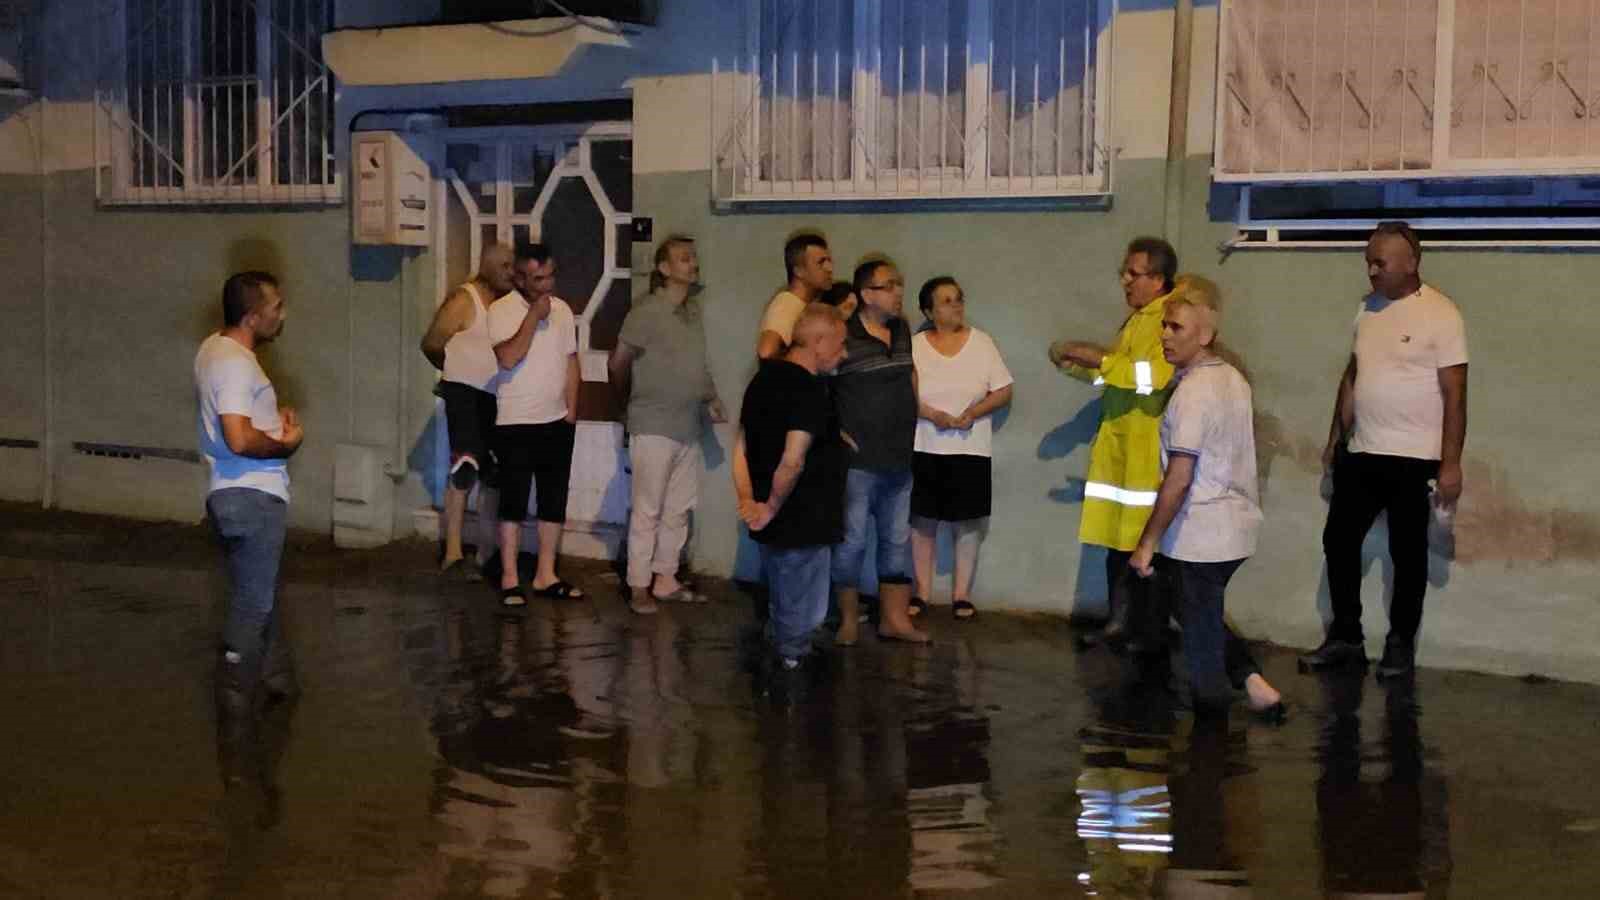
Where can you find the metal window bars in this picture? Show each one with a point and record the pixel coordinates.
(1361, 89)
(215, 102)
(914, 99)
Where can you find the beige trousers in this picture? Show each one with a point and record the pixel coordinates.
(666, 484)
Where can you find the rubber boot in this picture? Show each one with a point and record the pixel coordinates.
(278, 680)
(894, 620)
(236, 708)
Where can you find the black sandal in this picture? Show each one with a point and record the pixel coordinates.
(513, 596)
(963, 610)
(559, 590)
(917, 607)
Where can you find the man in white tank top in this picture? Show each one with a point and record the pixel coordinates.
(458, 345)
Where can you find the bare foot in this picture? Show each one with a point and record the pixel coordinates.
(666, 586)
(1261, 693)
(640, 601)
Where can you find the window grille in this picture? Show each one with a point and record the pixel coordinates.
(1334, 89)
(908, 99)
(216, 101)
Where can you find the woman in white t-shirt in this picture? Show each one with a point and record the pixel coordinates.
(961, 383)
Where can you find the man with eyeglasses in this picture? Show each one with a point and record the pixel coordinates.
(1125, 458)
(875, 391)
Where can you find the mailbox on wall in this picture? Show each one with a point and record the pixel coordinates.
(393, 191)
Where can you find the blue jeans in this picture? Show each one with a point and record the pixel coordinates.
(885, 498)
(797, 586)
(251, 525)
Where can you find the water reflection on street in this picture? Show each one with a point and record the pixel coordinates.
(447, 748)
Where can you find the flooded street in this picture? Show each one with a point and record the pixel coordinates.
(444, 747)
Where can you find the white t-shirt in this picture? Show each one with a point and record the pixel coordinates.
(1209, 417)
(951, 384)
(535, 390)
(783, 311)
(1400, 346)
(229, 381)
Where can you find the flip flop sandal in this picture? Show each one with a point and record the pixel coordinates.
(682, 595)
(917, 607)
(963, 610)
(904, 638)
(513, 596)
(559, 590)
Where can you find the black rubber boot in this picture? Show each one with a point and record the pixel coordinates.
(278, 680)
(236, 713)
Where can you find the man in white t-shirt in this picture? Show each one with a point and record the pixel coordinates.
(1399, 422)
(809, 266)
(247, 439)
(535, 340)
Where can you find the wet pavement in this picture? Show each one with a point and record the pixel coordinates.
(445, 748)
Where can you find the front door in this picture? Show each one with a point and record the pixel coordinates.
(570, 187)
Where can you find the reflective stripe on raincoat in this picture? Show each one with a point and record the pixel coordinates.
(1125, 459)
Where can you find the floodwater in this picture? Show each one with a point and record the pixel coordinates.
(445, 748)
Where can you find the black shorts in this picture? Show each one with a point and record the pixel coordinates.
(469, 418)
(528, 452)
(951, 488)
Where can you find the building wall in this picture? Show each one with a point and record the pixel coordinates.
(126, 294)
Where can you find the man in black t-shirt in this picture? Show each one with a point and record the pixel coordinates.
(788, 475)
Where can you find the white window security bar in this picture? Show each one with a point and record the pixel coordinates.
(914, 99)
(1328, 90)
(215, 101)
(574, 160)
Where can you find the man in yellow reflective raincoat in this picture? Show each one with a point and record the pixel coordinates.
(1125, 459)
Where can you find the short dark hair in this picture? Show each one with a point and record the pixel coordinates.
(925, 296)
(837, 294)
(241, 294)
(1162, 257)
(538, 252)
(1403, 230)
(663, 250)
(865, 271)
(794, 250)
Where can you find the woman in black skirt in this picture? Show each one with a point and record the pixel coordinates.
(961, 383)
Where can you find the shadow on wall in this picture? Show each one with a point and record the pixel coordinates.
(258, 255)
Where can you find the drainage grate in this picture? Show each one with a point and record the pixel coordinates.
(129, 451)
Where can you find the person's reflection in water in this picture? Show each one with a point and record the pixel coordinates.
(252, 801)
(1125, 822)
(1381, 813)
(1216, 815)
(522, 798)
(947, 778)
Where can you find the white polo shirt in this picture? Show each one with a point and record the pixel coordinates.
(1400, 346)
(535, 390)
(1209, 417)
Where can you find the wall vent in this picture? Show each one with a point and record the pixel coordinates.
(131, 451)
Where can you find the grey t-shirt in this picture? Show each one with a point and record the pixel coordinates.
(1209, 417)
(671, 379)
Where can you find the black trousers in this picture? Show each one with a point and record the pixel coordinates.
(1365, 484)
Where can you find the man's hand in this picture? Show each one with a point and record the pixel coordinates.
(757, 516)
(1142, 562)
(719, 416)
(539, 310)
(1449, 486)
(850, 442)
(1328, 454)
(1082, 353)
(293, 432)
(571, 417)
(1058, 354)
(942, 420)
